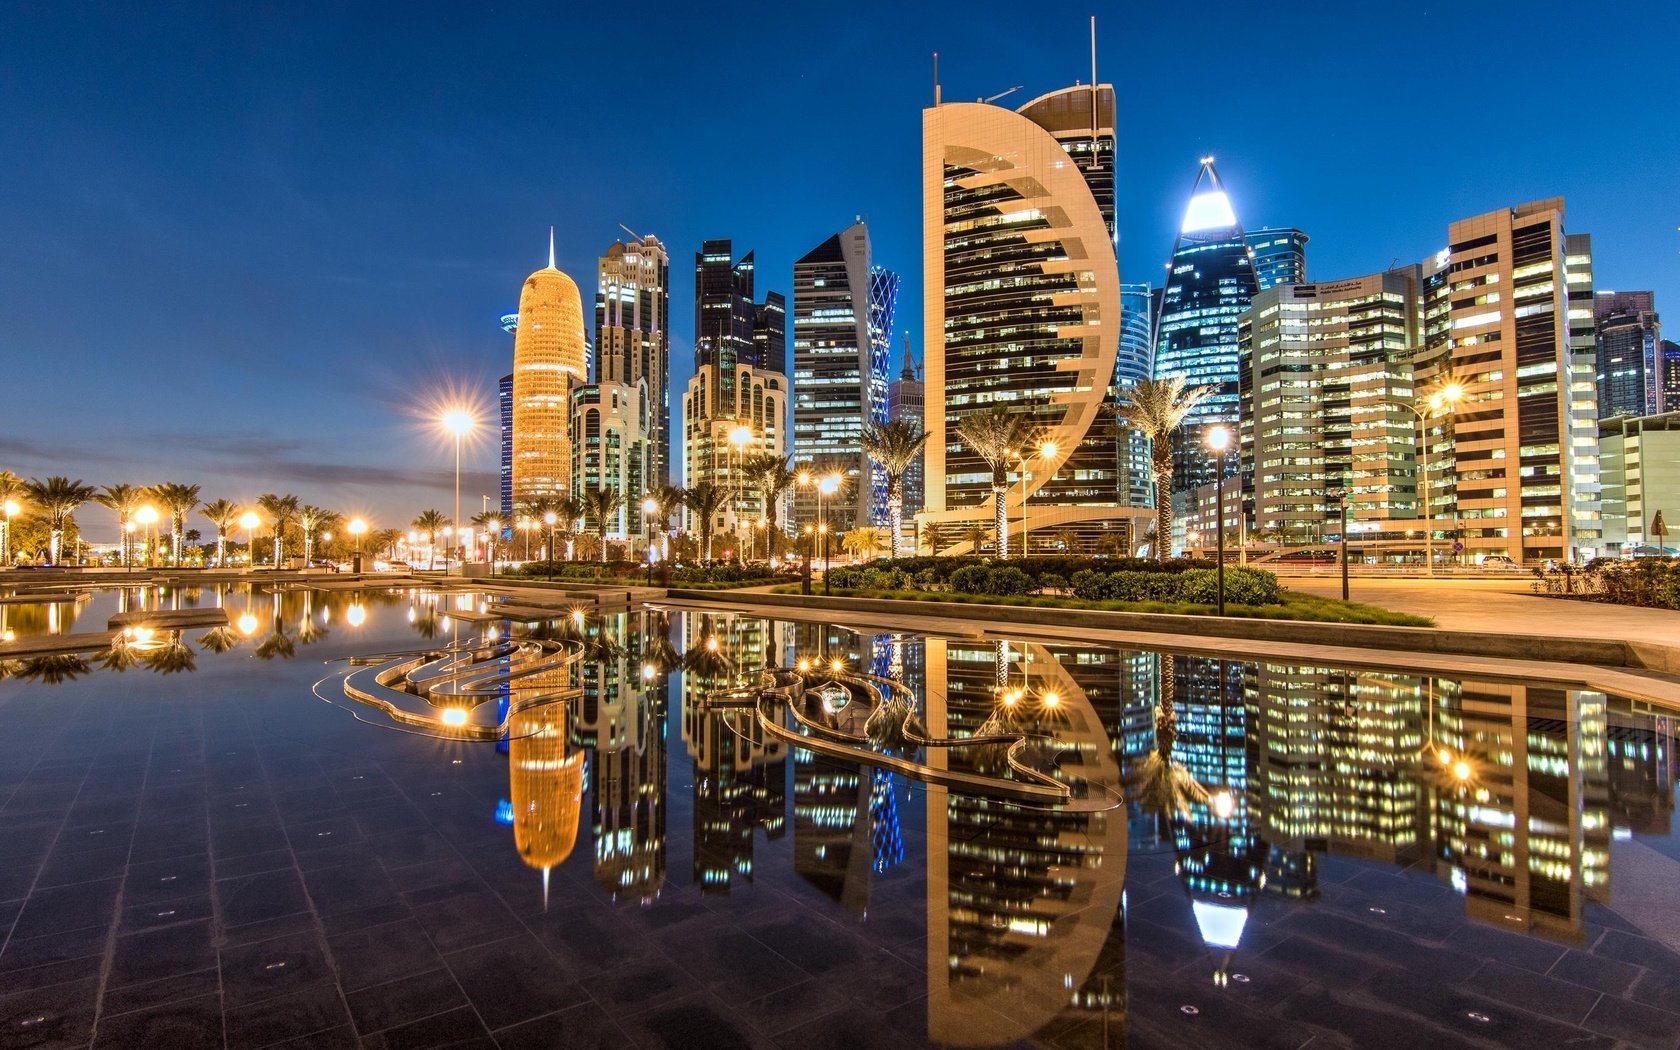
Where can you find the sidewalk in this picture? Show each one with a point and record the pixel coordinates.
(1507, 606)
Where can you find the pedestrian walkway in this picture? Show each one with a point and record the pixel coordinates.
(1506, 606)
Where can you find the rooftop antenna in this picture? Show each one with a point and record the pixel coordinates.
(551, 265)
(1000, 94)
(936, 78)
(1093, 92)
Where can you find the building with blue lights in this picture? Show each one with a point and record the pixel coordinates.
(1210, 282)
(842, 338)
(1280, 256)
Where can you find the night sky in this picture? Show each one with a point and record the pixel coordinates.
(254, 249)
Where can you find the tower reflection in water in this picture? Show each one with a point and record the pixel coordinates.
(1244, 779)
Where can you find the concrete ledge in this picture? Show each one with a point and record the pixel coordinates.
(1595, 651)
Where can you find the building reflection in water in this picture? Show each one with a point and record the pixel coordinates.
(545, 768)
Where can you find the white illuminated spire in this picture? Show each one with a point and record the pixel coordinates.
(551, 265)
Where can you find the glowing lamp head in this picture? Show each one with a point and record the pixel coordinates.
(1461, 770)
(837, 666)
(550, 518)
(146, 515)
(1219, 439)
(803, 477)
(711, 644)
(357, 526)
(249, 520)
(741, 436)
(1223, 804)
(577, 617)
(454, 716)
(356, 615)
(1452, 393)
(649, 505)
(458, 421)
(10, 507)
(647, 672)
(247, 624)
(1048, 450)
(1051, 700)
(804, 665)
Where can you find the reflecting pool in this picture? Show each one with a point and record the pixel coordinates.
(389, 818)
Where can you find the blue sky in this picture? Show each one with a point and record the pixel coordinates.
(248, 245)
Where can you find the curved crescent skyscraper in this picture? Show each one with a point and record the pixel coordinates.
(1023, 306)
(548, 358)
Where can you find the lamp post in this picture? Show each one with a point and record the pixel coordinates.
(828, 486)
(1448, 396)
(1045, 451)
(549, 519)
(249, 522)
(805, 575)
(459, 422)
(357, 527)
(148, 517)
(822, 527)
(650, 507)
(492, 533)
(1219, 439)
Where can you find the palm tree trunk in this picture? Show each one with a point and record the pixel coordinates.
(221, 548)
(1000, 514)
(603, 532)
(57, 540)
(175, 543)
(308, 545)
(895, 516)
(277, 530)
(1161, 455)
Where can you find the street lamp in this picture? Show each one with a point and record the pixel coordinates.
(822, 527)
(1219, 439)
(1450, 394)
(828, 485)
(1045, 451)
(459, 422)
(249, 522)
(493, 532)
(549, 519)
(810, 542)
(357, 527)
(650, 507)
(148, 517)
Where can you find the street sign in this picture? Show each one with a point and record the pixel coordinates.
(1458, 548)
(1659, 528)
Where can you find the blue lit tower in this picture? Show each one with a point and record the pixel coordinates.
(504, 405)
(1210, 282)
(1280, 256)
(1135, 361)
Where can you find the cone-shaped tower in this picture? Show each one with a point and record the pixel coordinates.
(547, 359)
(1210, 282)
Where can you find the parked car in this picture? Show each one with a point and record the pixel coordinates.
(1649, 550)
(1499, 562)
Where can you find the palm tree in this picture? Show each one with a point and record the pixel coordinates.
(861, 542)
(1068, 540)
(223, 514)
(895, 445)
(703, 501)
(311, 519)
(667, 499)
(600, 505)
(385, 540)
(125, 500)
(997, 436)
(771, 476)
(431, 522)
(491, 524)
(57, 498)
(928, 537)
(974, 535)
(12, 490)
(282, 510)
(180, 501)
(1156, 408)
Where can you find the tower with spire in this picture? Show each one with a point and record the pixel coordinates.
(1210, 282)
(906, 401)
(548, 358)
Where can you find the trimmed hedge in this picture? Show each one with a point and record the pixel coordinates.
(1183, 580)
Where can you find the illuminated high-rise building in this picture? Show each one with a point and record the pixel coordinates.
(1210, 282)
(548, 357)
(1280, 256)
(1508, 316)
(842, 339)
(1136, 361)
(504, 414)
(1023, 304)
(633, 335)
(1629, 348)
(907, 400)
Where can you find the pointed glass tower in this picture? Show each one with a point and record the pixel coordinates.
(1210, 282)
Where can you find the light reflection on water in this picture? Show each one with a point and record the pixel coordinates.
(1256, 793)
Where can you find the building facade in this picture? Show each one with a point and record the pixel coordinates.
(1326, 381)
(1023, 305)
(1508, 315)
(1641, 463)
(1630, 361)
(1136, 361)
(730, 327)
(548, 358)
(756, 401)
(611, 449)
(633, 335)
(1280, 256)
(906, 401)
(842, 338)
(1210, 282)
(504, 417)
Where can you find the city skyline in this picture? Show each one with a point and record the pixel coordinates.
(295, 258)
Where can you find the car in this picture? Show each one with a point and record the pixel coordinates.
(1499, 562)
(1648, 550)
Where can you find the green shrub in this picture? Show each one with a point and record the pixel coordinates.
(1051, 581)
(1007, 580)
(969, 579)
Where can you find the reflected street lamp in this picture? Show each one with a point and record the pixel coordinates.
(650, 506)
(357, 527)
(1219, 439)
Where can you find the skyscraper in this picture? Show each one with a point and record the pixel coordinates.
(1023, 304)
(905, 401)
(842, 337)
(1670, 388)
(1210, 282)
(548, 357)
(633, 335)
(1280, 256)
(504, 406)
(1136, 361)
(738, 390)
(1326, 375)
(1509, 317)
(1629, 347)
